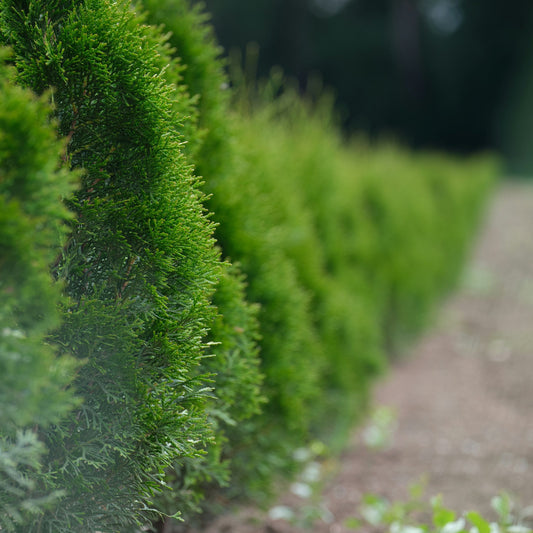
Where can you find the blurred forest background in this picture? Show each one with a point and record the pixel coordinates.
(447, 74)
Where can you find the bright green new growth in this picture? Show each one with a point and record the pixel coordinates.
(32, 378)
(139, 263)
(234, 364)
(247, 233)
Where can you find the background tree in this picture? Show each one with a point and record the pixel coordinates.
(435, 73)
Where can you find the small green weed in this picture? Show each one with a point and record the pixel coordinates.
(308, 487)
(417, 516)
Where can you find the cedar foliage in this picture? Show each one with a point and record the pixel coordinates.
(297, 138)
(234, 366)
(248, 233)
(293, 203)
(139, 264)
(33, 380)
(341, 250)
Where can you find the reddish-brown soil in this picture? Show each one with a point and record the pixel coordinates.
(463, 398)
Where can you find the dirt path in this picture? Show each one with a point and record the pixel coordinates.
(463, 399)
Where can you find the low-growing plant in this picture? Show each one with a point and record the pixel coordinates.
(307, 486)
(417, 516)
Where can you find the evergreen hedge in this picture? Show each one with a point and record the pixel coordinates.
(234, 367)
(385, 236)
(194, 373)
(294, 206)
(248, 233)
(33, 381)
(139, 264)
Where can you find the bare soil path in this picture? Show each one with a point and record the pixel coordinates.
(463, 398)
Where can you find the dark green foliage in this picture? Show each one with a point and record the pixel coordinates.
(233, 367)
(139, 264)
(33, 380)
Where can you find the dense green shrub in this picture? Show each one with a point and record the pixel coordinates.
(193, 43)
(317, 225)
(385, 234)
(232, 368)
(139, 264)
(419, 212)
(302, 155)
(248, 232)
(234, 365)
(33, 380)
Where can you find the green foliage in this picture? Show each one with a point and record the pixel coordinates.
(139, 264)
(428, 221)
(341, 251)
(248, 232)
(418, 516)
(234, 361)
(314, 201)
(316, 226)
(377, 235)
(233, 370)
(193, 43)
(33, 381)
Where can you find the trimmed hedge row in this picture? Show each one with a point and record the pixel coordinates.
(376, 235)
(294, 206)
(191, 372)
